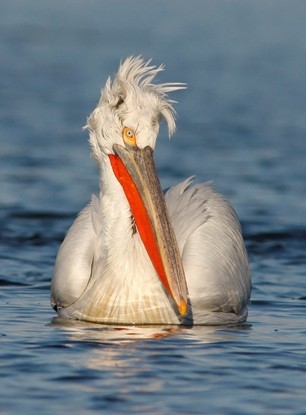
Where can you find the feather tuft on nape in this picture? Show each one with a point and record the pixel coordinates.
(133, 80)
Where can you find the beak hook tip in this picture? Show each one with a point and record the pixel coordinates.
(182, 306)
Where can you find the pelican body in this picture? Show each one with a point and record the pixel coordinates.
(135, 255)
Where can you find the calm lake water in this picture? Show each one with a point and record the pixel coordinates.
(242, 124)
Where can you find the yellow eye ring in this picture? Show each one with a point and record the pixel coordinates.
(129, 137)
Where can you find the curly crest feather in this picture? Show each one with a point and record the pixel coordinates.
(132, 98)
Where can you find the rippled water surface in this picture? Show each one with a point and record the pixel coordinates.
(242, 124)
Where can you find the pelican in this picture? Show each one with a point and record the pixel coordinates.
(135, 255)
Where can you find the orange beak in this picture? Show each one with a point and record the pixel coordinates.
(134, 168)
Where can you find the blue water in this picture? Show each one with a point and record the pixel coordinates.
(242, 124)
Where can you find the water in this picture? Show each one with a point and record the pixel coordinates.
(241, 123)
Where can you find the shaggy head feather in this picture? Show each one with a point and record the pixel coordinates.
(131, 100)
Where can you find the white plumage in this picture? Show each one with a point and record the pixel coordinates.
(104, 270)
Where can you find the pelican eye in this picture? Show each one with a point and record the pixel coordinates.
(129, 137)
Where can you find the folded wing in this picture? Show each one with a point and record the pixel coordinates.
(74, 260)
(213, 253)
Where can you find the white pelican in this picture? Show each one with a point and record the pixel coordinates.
(135, 255)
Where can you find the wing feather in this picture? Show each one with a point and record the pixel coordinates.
(213, 252)
(73, 265)
(187, 207)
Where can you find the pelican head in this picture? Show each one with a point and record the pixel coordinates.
(131, 101)
(123, 132)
